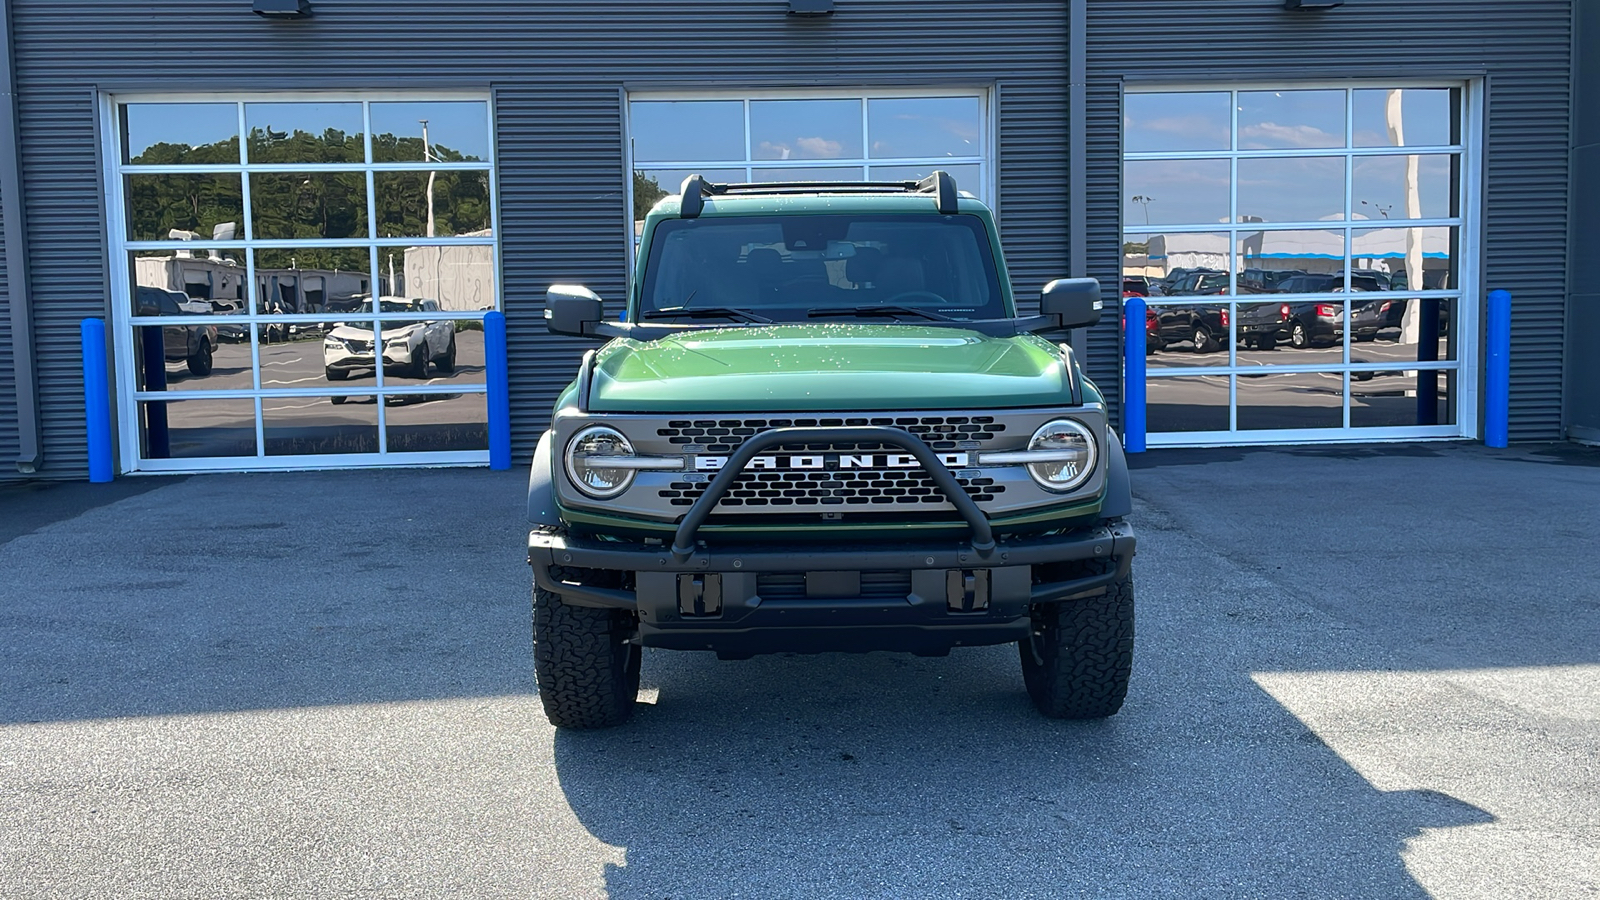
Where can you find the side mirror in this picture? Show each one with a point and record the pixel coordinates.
(572, 309)
(1072, 302)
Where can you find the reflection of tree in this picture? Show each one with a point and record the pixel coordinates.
(646, 191)
(342, 259)
(317, 205)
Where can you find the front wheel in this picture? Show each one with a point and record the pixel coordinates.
(584, 661)
(447, 362)
(1078, 658)
(200, 362)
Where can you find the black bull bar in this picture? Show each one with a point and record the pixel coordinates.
(683, 542)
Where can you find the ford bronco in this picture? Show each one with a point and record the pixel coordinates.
(821, 425)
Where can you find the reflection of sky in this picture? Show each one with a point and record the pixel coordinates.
(1281, 119)
(461, 125)
(191, 124)
(713, 130)
(805, 129)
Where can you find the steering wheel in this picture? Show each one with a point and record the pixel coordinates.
(930, 295)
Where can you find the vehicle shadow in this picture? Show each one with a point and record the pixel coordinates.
(891, 776)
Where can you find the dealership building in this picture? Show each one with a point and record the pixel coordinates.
(255, 196)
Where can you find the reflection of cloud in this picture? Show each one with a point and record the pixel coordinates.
(1191, 127)
(782, 151)
(820, 148)
(1275, 135)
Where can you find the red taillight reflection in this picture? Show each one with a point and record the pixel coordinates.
(1283, 311)
(1224, 318)
(1327, 310)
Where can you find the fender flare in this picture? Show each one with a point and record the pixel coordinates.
(541, 487)
(1119, 486)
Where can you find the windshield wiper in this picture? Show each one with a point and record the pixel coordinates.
(875, 311)
(704, 312)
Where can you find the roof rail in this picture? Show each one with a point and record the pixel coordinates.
(696, 189)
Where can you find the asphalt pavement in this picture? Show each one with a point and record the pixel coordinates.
(1364, 672)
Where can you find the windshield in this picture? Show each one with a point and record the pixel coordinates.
(786, 268)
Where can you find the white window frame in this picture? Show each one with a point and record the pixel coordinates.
(131, 460)
(1466, 295)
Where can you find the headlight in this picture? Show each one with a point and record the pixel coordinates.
(586, 455)
(334, 344)
(1066, 452)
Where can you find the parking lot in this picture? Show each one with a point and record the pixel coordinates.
(1361, 672)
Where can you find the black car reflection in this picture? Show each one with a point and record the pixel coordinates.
(192, 344)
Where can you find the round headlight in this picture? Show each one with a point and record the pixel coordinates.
(1072, 453)
(586, 455)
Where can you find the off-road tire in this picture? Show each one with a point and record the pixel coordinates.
(586, 668)
(1077, 662)
(200, 362)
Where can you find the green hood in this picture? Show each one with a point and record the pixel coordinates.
(828, 366)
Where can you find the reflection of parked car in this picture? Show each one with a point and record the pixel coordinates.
(408, 347)
(1205, 326)
(1301, 324)
(1373, 316)
(192, 344)
(1265, 281)
(1135, 286)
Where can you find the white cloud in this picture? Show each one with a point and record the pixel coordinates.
(820, 148)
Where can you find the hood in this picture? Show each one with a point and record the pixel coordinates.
(363, 332)
(828, 366)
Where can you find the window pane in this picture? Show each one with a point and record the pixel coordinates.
(458, 131)
(216, 278)
(805, 129)
(1166, 122)
(1292, 189)
(1188, 333)
(432, 423)
(1383, 187)
(195, 429)
(291, 353)
(1166, 260)
(185, 207)
(1291, 400)
(460, 203)
(1397, 398)
(807, 173)
(686, 130)
(968, 177)
(1271, 261)
(925, 127)
(1175, 192)
(311, 279)
(305, 132)
(1402, 259)
(188, 358)
(314, 426)
(1292, 332)
(457, 278)
(1271, 120)
(170, 134)
(1407, 118)
(1388, 329)
(311, 205)
(1198, 403)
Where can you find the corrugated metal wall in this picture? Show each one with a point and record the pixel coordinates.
(1522, 45)
(1583, 311)
(8, 382)
(558, 70)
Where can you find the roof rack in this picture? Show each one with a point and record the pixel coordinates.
(696, 189)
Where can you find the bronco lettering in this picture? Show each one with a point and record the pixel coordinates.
(833, 461)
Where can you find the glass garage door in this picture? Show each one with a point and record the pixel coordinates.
(301, 281)
(1305, 257)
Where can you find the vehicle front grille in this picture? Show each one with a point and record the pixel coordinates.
(938, 432)
(360, 346)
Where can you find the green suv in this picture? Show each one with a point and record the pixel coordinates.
(821, 425)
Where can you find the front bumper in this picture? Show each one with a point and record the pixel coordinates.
(925, 597)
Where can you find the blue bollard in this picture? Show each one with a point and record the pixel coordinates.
(1133, 402)
(96, 400)
(496, 358)
(1497, 378)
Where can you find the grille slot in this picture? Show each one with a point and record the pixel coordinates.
(776, 587)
